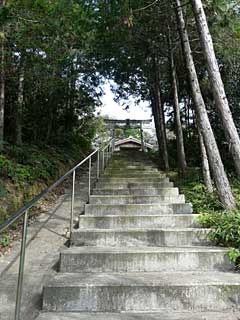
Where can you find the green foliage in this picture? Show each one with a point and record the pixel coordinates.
(32, 163)
(234, 256)
(3, 191)
(53, 55)
(225, 231)
(5, 240)
(25, 171)
(225, 228)
(16, 172)
(192, 186)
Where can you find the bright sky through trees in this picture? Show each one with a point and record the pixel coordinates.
(115, 110)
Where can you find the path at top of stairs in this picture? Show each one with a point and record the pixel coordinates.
(138, 253)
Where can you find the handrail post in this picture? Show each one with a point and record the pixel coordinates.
(89, 177)
(72, 203)
(98, 163)
(21, 267)
(103, 165)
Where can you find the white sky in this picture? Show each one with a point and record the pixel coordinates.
(114, 110)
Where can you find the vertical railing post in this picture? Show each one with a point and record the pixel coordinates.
(103, 165)
(72, 203)
(89, 177)
(110, 150)
(21, 267)
(98, 163)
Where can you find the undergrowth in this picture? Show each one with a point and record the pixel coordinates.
(25, 171)
(225, 226)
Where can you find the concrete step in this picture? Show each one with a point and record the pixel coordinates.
(144, 259)
(110, 169)
(135, 162)
(146, 292)
(131, 199)
(144, 221)
(138, 209)
(138, 191)
(135, 185)
(142, 174)
(140, 180)
(174, 315)
(141, 237)
(130, 167)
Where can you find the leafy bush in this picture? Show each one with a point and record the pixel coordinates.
(192, 186)
(3, 191)
(16, 172)
(225, 231)
(234, 256)
(26, 170)
(225, 227)
(5, 240)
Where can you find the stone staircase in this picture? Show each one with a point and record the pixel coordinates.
(138, 254)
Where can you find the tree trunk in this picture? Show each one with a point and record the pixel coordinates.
(20, 102)
(160, 114)
(205, 164)
(215, 161)
(2, 92)
(182, 163)
(2, 84)
(216, 83)
(157, 128)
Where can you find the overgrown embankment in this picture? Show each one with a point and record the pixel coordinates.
(25, 171)
(225, 225)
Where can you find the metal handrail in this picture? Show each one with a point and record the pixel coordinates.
(23, 212)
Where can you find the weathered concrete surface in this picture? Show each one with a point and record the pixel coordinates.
(142, 316)
(133, 175)
(45, 238)
(139, 191)
(138, 209)
(140, 221)
(133, 169)
(124, 185)
(116, 292)
(143, 259)
(135, 199)
(141, 237)
(117, 180)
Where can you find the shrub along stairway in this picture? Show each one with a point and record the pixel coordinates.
(139, 254)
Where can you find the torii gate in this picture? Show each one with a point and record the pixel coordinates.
(113, 124)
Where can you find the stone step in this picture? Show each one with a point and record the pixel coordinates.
(142, 174)
(140, 180)
(174, 315)
(132, 169)
(135, 169)
(138, 209)
(137, 191)
(144, 259)
(145, 221)
(135, 185)
(132, 199)
(146, 292)
(141, 237)
(137, 162)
